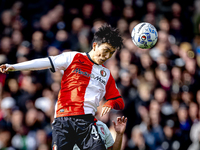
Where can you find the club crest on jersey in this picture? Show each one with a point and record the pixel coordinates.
(102, 130)
(103, 73)
(55, 147)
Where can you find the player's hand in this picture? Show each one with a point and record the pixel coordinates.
(5, 69)
(105, 110)
(120, 125)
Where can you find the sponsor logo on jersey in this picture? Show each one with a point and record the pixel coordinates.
(79, 71)
(103, 73)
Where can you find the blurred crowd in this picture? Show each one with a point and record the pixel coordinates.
(160, 86)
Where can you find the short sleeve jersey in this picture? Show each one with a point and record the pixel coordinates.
(105, 134)
(83, 85)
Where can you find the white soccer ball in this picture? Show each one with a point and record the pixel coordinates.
(144, 35)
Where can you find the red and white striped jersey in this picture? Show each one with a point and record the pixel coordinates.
(83, 85)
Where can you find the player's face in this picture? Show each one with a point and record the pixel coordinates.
(102, 52)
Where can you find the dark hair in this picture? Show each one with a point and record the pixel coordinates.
(107, 34)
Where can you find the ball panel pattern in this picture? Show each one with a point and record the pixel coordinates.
(144, 35)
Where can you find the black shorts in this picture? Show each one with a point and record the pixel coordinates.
(80, 130)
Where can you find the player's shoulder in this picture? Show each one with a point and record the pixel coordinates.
(101, 124)
(102, 128)
(73, 53)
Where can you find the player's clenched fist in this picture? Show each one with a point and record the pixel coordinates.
(5, 69)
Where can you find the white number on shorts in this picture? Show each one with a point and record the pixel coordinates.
(94, 131)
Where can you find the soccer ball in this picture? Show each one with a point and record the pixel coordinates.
(144, 35)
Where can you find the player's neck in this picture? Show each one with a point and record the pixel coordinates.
(91, 56)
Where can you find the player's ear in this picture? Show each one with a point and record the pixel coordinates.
(94, 45)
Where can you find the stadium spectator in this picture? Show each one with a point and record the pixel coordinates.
(137, 141)
(173, 66)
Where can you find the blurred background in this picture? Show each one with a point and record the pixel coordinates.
(160, 86)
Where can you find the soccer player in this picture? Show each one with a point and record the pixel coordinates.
(106, 136)
(84, 84)
(119, 126)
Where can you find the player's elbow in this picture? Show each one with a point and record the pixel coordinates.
(121, 105)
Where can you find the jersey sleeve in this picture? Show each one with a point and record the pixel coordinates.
(109, 139)
(35, 64)
(62, 61)
(112, 95)
(105, 134)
